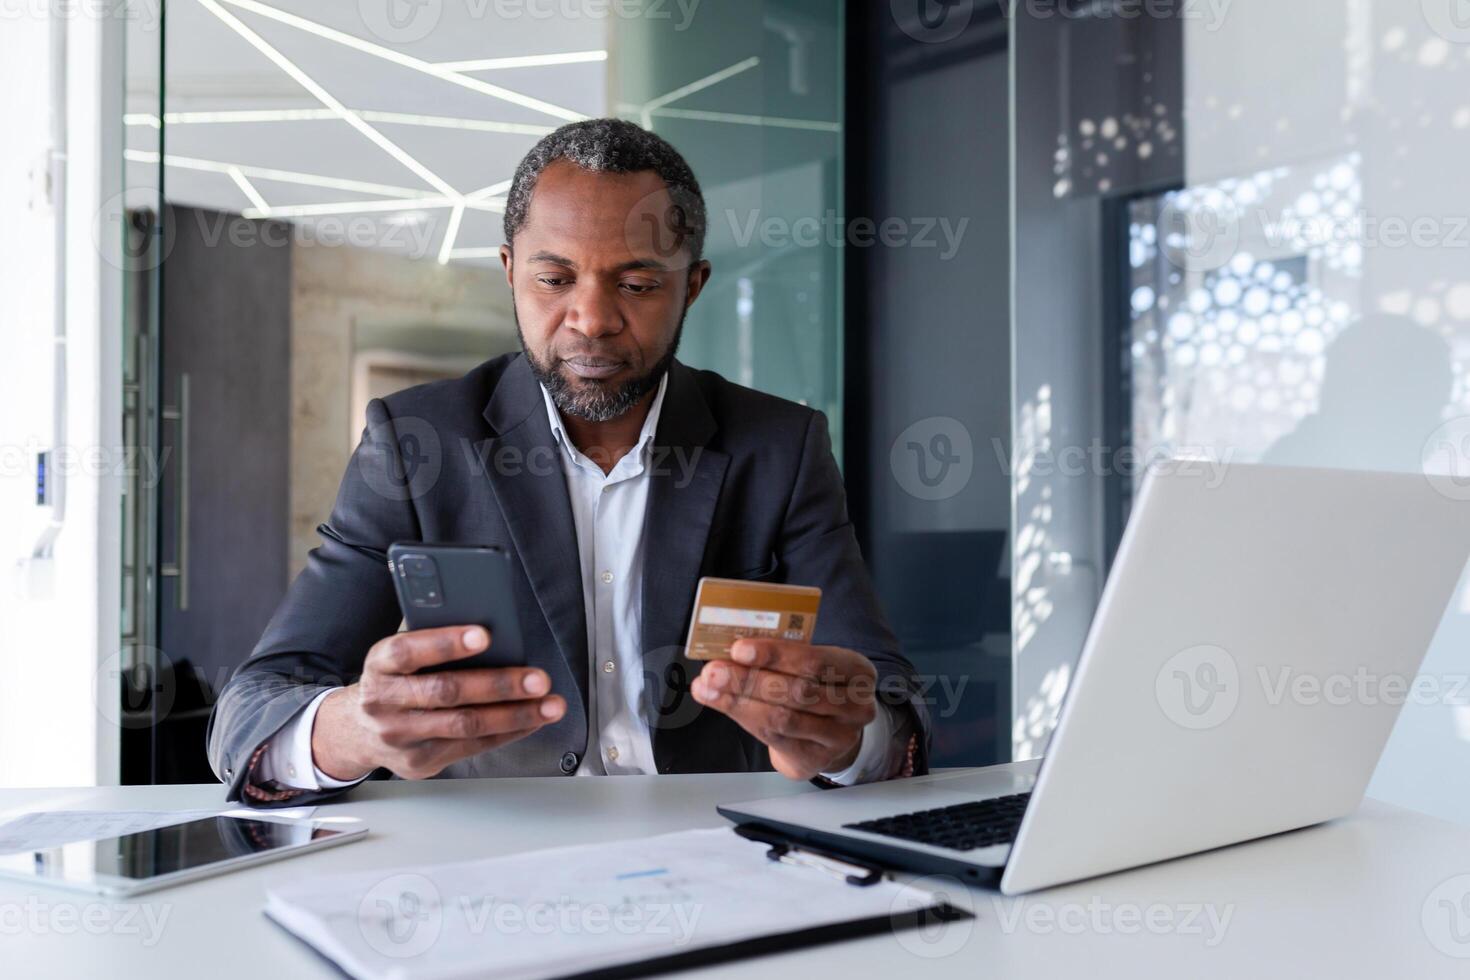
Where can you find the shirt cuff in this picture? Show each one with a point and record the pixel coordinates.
(875, 754)
(287, 759)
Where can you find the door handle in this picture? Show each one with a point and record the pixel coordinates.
(179, 568)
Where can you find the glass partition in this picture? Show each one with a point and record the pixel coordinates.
(751, 93)
(1323, 315)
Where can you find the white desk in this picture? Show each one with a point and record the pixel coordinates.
(1344, 900)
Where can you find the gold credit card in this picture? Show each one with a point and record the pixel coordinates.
(726, 610)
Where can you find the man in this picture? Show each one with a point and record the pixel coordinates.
(615, 477)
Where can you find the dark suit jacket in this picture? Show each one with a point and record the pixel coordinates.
(743, 486)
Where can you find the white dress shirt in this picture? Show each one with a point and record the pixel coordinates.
(608, 510)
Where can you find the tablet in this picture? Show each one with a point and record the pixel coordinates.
(141, 862)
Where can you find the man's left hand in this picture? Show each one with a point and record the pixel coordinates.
(808, 704)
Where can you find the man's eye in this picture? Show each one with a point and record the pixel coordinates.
(639, 288)
(551, 281)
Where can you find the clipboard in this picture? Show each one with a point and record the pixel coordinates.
(783, 849)
(751, 912)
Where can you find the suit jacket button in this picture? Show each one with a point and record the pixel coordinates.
(569, 762)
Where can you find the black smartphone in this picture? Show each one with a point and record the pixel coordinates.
(459, 585)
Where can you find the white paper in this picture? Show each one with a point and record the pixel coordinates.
(52, 828)
(569, 909)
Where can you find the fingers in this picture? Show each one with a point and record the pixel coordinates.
(777, 723)
(853, 702)
(485, 720)
(404, 729)
(427, 759)
(405, 653)
(827, 665)
(453, 688)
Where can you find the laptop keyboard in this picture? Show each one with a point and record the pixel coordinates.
(962, 827)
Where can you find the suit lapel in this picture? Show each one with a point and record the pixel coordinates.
(524, 469)
(685, 487)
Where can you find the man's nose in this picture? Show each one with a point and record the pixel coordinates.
(594, 312)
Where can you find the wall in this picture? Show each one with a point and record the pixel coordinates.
(342, 293)
(59, 640)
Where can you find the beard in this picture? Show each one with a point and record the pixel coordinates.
(591, 399)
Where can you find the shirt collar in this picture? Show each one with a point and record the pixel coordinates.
(645, 437)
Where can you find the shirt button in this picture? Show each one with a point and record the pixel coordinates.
(291, 770)
(607, 578)
(608, 666)
(569, 762)
(612, 753)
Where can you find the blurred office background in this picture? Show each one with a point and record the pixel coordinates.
(1015, 252)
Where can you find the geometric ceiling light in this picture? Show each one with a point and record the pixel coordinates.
(407, 61)
(247, 116)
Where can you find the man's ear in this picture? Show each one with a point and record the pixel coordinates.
(699, 274)
(507, 259)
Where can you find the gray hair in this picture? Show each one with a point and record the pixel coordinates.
(613, 146)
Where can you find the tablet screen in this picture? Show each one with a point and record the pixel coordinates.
(164, 850)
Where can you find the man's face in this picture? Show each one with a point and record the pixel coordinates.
(599, 299)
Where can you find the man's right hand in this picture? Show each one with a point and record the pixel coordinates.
(417, 724)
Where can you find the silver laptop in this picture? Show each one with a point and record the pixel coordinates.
(1250, 653)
